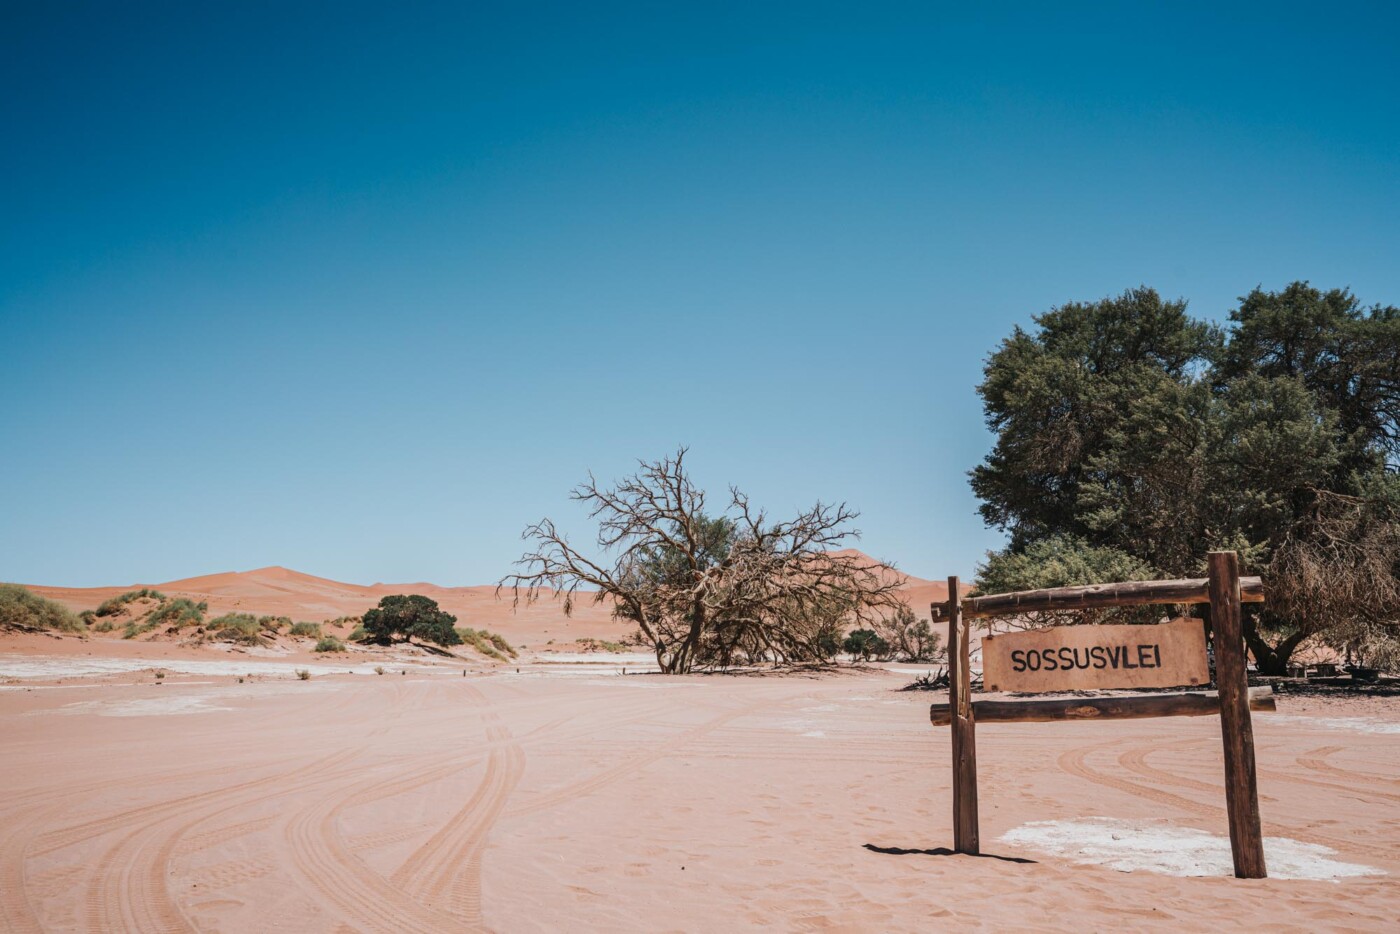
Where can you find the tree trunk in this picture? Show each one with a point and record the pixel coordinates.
(1271, 659)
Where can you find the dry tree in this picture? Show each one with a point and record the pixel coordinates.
(709, 590)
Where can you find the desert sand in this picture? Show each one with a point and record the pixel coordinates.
(580, 798)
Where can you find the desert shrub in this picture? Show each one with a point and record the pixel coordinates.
(343, 621)
(22, 608)
(105, 626)
(330, 644)
(379, 669)
(88, 617)
(303, 674)
(601, 645)
(357, 634)
(114, 606)
(308, 630)
(238, 627)
(179, 613)
(488, 644)
(135, 628)
(273, 623)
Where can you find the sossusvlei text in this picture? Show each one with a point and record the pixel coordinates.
(1115, 657)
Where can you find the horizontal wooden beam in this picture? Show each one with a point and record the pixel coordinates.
(1095, 596)
(1119, 707)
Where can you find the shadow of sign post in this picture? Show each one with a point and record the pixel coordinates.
(1072, 658)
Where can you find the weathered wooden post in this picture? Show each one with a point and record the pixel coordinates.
(1232, 678)
(965, 838)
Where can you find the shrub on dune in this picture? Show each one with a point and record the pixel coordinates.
(179, 613)
(114, 606)
(238, 627)
(306, 630)
(20, 608)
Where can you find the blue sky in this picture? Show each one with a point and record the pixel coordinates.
(362, 290)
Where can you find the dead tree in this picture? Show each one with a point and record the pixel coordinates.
(708, 591)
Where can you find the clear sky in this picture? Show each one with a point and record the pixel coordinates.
(362, 290)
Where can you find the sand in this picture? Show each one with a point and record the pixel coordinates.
(433, 801)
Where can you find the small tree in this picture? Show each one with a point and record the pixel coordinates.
(410, 616)
(911, 638)
(863, 643)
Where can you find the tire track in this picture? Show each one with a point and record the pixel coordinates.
(1316, 760)
(129, 887)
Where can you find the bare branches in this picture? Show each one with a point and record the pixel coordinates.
(711, 590)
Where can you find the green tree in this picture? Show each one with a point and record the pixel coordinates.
(411, 617)
(1132, 440)
(864, 643)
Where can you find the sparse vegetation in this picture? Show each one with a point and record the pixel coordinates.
(379, 669)
(487, 643)
(601, 645)
(237, 627)
(305, 630)
(114, 606)
(178, 613)
(358, 634)
(273, 624)
(330, 644)
(21, 608)
(910, 639)
(303, 674)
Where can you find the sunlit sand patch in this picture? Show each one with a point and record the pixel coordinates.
(1153, 846)
(1356, 724)
(46, 667)
(172, 703)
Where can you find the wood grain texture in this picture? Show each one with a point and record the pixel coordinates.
(1096, 596)
(1124, 707)
(1082, 658)
(964, 736)
(1237, 731)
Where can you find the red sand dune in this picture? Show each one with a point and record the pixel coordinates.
(280, 591)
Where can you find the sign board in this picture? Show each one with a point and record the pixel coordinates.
(1079, 658)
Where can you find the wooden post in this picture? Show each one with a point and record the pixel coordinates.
(1241, 783)
(963, 727)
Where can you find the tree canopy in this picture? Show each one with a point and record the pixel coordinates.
(1132, 440)
(410, 616)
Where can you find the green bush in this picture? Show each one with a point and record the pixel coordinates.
(358, 634)
(22, 608)
(134, 629)
(308, 630)
(330, 644)
(114, 606)
(238, 627)
(179, 613)
(410, 616)
(273, 624)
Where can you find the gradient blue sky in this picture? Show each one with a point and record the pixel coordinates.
(362, 290)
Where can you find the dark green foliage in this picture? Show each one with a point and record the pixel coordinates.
(864, 643)
(410, 617)
(178, 613)
(23, 609)
(114, 606)
(1132, 440)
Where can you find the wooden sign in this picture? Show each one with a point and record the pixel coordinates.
(1079, 658)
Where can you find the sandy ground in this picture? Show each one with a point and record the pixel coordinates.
(434, 801)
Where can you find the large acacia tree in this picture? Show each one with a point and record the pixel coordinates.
(1131, 436)
(709, 589)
